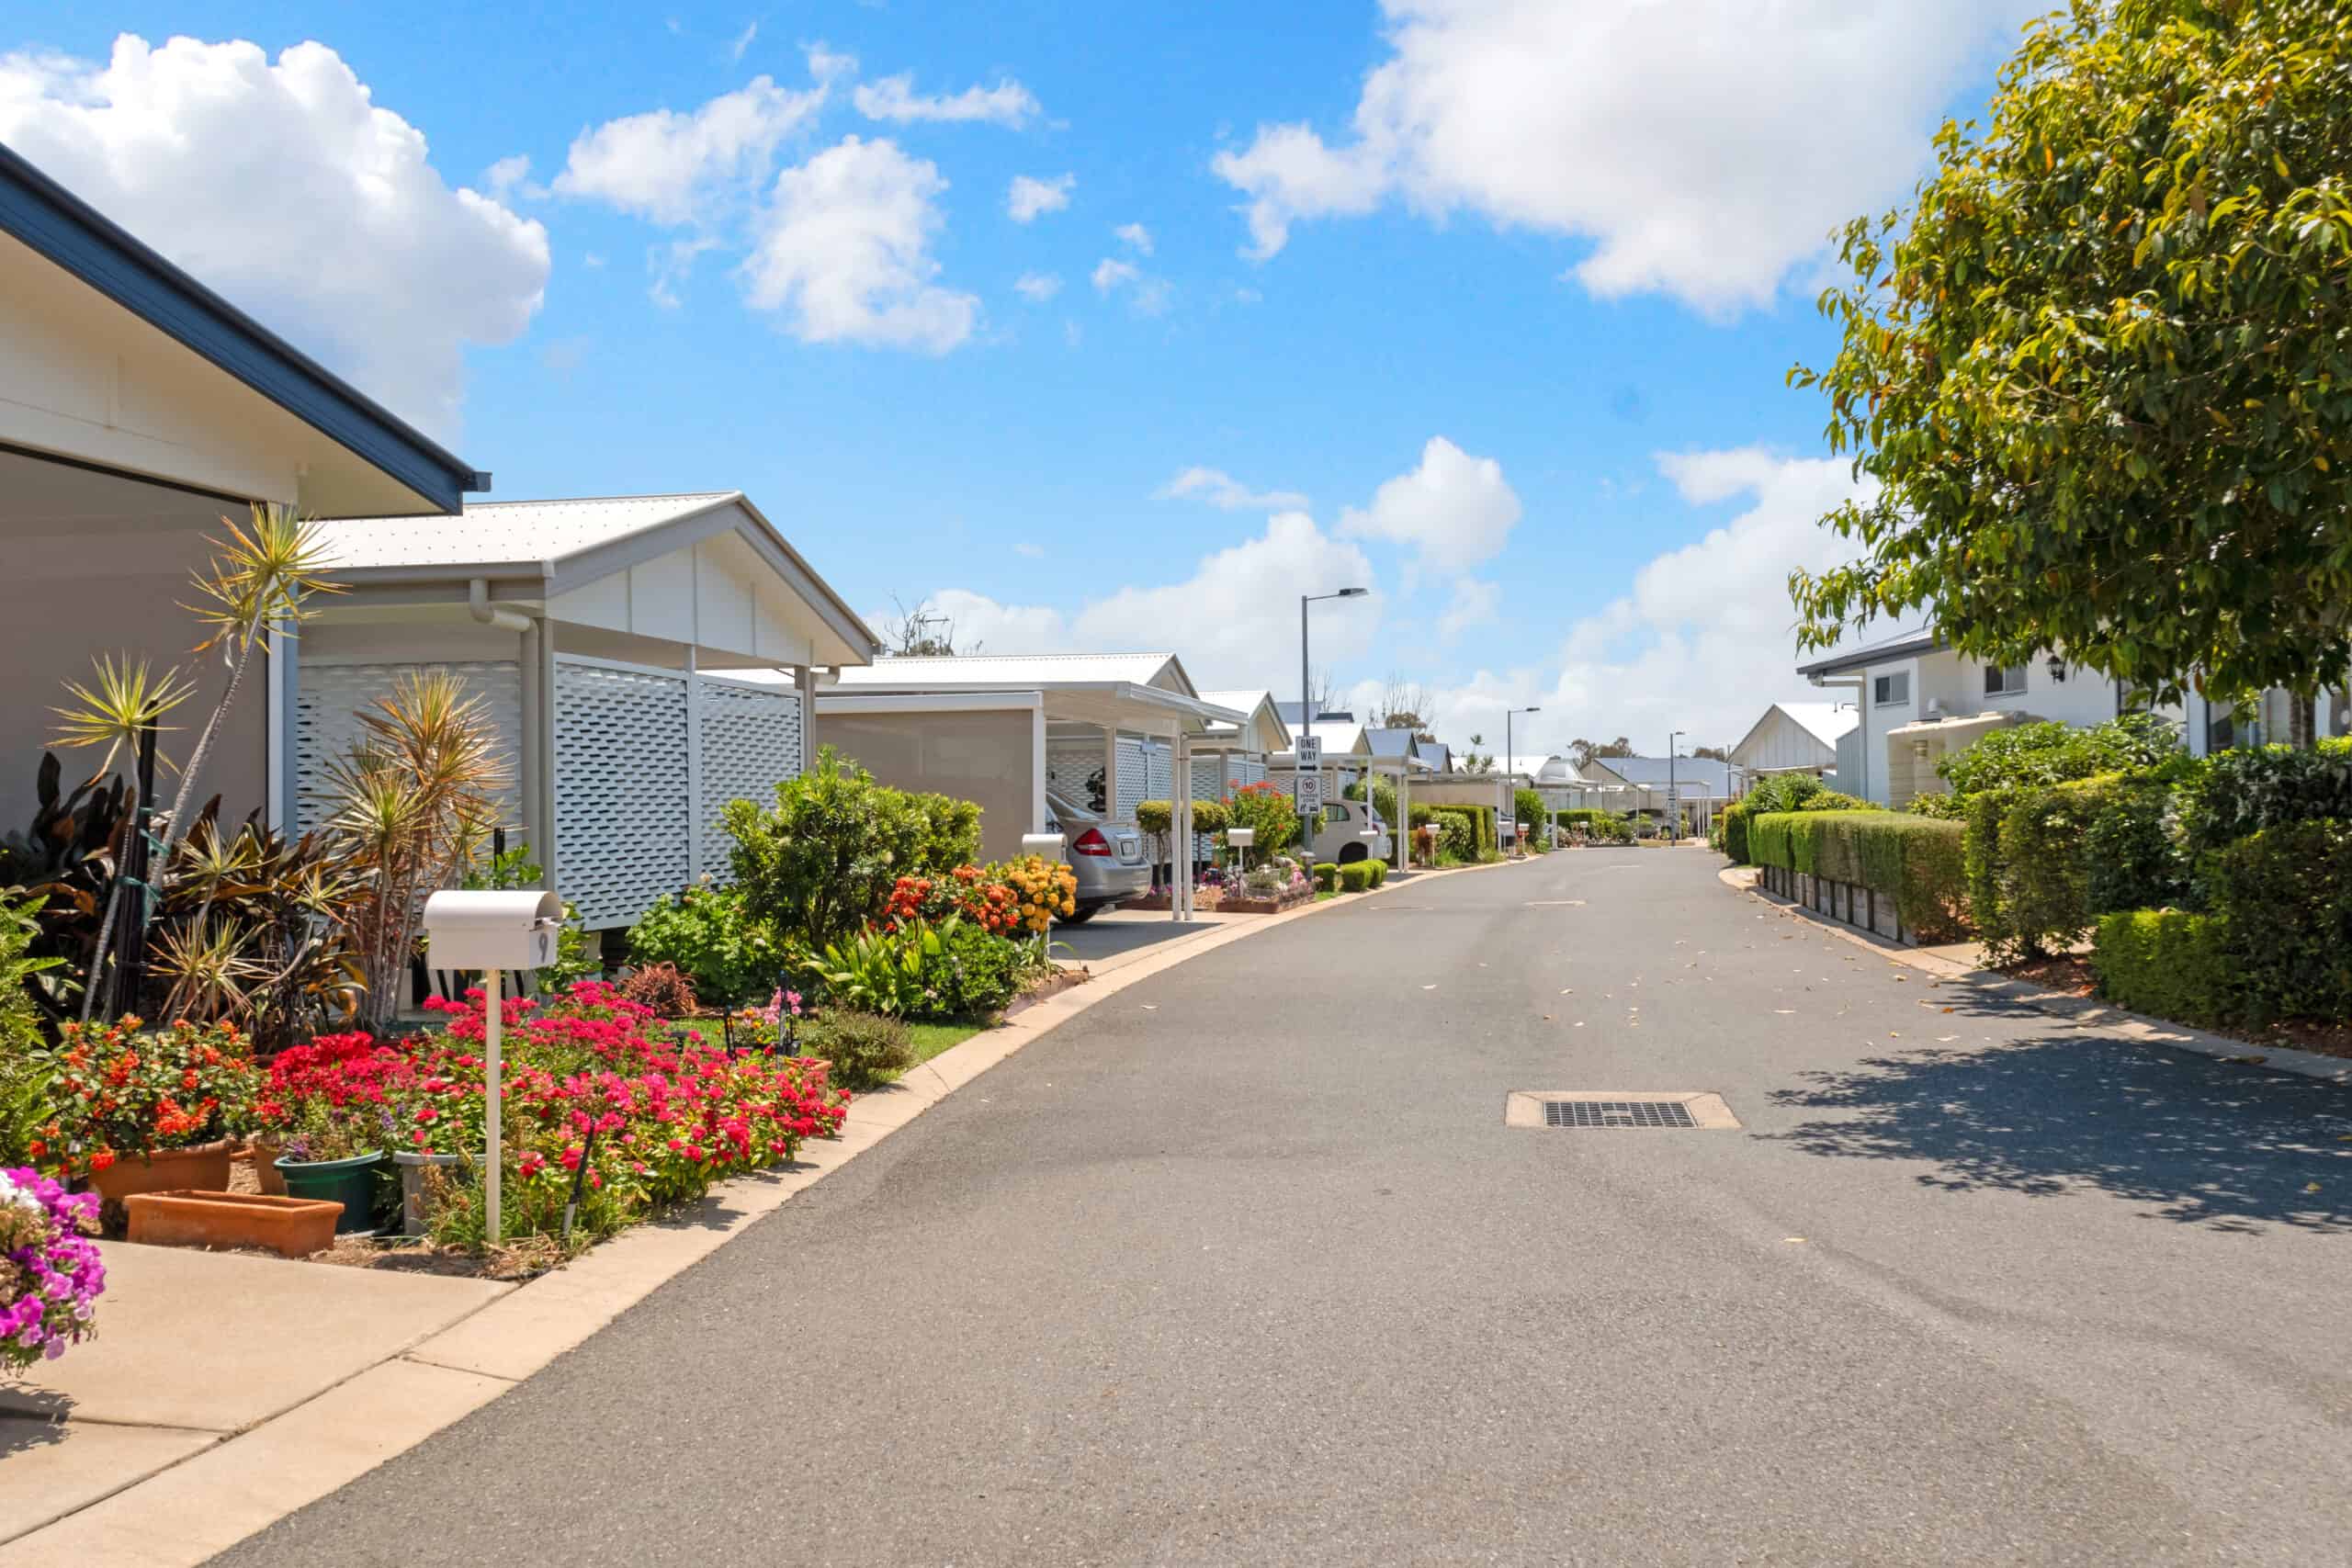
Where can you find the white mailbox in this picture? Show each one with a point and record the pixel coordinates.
(1240, 838)
(492, 931)
(1049, 845)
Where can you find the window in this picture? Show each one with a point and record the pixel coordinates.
(2001, 683)
(1891, 691)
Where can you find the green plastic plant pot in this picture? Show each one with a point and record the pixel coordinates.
(350, 1182)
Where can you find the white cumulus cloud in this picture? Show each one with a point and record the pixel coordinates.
(844, 249)
(1224, 492)
(1238, 611)
(1031, 198)
(894, 98)
(1692, 145)
(1038, 287)
(1454, 510)
(677, 168)
(287, 187)
(1135, 237)
(1704, 638)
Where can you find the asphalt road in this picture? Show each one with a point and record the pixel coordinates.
(1243, 1267)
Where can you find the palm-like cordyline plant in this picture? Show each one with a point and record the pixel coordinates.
(420, 795)
(256, 587)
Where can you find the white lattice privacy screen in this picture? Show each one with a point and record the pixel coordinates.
(330, 699)
(1067, 768)
(623, 814)
(751, 741)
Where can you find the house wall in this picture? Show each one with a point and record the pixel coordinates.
(1783, 745)
(986, 756)
(716, 595)
(99, 565)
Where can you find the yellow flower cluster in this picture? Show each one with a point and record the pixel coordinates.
(1047, 889)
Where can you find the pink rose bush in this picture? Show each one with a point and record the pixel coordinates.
(50, 1273)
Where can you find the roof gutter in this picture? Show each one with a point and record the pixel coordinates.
(488, 615)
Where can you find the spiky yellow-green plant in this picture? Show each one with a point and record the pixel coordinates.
(420, 792)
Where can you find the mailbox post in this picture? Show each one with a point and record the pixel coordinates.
(493, 932)
(1240, 839)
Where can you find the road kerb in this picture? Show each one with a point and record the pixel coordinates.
(2082, 1012)
(470, 1362)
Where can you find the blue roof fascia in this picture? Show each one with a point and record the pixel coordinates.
(61, 226)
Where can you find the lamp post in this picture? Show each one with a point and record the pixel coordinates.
(1512, 761)
(1307, 703)
(1673, 801)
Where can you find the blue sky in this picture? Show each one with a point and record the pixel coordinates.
(1576, 244)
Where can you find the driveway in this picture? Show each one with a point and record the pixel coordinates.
(1244, 1267)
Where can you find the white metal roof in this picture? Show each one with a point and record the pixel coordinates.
(501, 533)
(569, 543)
(1011, 671)
(1826, 722)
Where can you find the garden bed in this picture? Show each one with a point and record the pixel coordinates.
(1273, 905)
(1054, 985)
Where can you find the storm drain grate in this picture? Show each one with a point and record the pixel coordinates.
(1683, 1109)
(1617, 1113)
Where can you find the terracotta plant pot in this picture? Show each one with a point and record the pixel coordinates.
(265, 1171)
(204, 1167)
(291, 1227)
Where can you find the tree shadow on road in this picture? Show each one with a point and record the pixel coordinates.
(2202, 1141)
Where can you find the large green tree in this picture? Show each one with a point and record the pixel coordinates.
(2101, 374)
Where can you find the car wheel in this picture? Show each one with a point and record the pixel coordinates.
(1351, 853)
(1082, 914)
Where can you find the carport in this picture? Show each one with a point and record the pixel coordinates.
(610, 642)
(997, 729)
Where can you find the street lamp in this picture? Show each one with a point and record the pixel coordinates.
(1307, 703)
(1673, 802)
(1509, 761)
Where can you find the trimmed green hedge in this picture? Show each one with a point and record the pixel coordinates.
(1379, 870)
(1158, 816)
(2286, 893)
(1476, 838)
(1916, 860)
(2170, 963)
(1327, 876)
(1356, 876)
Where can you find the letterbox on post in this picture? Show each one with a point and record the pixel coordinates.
(1241, 839)
(491, 931)
(1046, 846)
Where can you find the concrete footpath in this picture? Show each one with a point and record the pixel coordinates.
(224, 1390)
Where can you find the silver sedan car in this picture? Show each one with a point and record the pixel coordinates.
(1107, 857)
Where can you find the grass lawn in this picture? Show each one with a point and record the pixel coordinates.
(931, 1038)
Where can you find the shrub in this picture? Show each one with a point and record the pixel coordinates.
(2287, 894)
(1379, 870)
(2170, 962)
(1831, 800)
(1268, 811)
(707, 932)
(2054, 752)
(864, 1047)
(2044, 868)
(1457, 831)
(1327, 876)
(2135, 860)
(24, 1076)
(1915, 861)
(820, 862)
(1782, 792)
(2242, 792)
(1356, 875)
(662, 989)
(984, 971)
(1528, 807)
(1732, 826)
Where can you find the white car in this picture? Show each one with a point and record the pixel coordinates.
(1352, 831)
